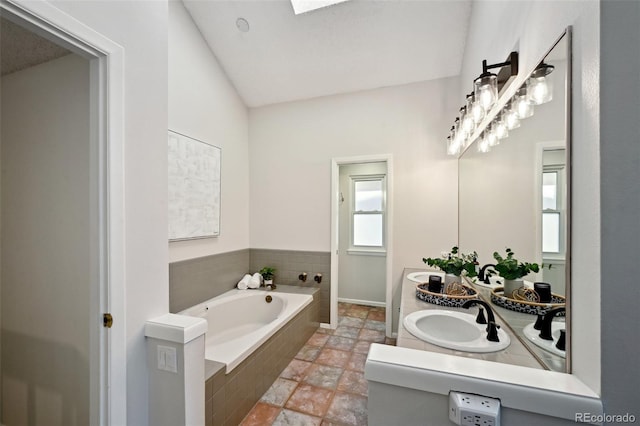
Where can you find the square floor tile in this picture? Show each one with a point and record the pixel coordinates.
(372, 335)
(343, 343)
(376, 315)
(362, 346)
(356, 314)
(324, 376)
(279, 392)
(293, 418)
(353, 382)
(318, 339)
(348, 409)
(375, 325)
(310, 400)
(350, 322)
(333, 357)
(343, 331)
(308, 353)
(295, 370)
(356, 362)
(261, 414)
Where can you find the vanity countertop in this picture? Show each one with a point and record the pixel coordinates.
(515, 354)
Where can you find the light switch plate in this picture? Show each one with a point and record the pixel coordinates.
(167, 359)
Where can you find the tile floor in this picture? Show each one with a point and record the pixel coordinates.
(324, 385)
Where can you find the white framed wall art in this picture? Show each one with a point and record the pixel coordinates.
(194, 188)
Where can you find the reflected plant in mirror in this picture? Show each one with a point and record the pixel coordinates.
(516, 193)
(455, 263)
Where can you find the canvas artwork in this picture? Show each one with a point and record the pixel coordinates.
(194, 188)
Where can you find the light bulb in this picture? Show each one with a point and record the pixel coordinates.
(477, 111)
(483, 144)
(500, 127)
(492, 137)
(511, 118)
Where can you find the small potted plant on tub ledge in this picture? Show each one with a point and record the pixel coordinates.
(512, 271)
(267, 274)
(454, 264)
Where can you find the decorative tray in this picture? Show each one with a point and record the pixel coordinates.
(524, 306)
(449, 300)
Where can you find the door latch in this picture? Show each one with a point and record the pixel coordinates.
(107, 320)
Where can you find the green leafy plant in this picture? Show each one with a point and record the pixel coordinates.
(267, 272)
(511, 268)
(455, 263)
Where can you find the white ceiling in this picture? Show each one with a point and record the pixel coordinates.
(351, 46)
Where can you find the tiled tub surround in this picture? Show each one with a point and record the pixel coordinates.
(193, 281)
(291, 263)
(516, 353)
(229, 397)
(196, 280)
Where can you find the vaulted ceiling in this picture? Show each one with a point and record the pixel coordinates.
(350, 46)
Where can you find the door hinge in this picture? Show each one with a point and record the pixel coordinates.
(107, 320)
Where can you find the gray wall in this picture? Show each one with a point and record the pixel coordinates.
(46, 244)
(196, 280)
(620, 196)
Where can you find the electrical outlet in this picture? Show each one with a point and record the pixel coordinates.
(167, 359)
(467, 409)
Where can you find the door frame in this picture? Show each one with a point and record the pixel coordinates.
(107, 370)
(335, 220)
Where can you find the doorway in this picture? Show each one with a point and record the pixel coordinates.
(362, 209)
(62, 263)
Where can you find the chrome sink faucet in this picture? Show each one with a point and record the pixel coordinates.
(492, 327)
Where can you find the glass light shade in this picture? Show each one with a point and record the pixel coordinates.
(483, 144)
(464, 126)
(451, 148)
(477, 111)
(486, 90)
(540, 90)
(500, 127)
(468, 123)
(469, 106)
(492, 137)
(511, 118)
(523, 106)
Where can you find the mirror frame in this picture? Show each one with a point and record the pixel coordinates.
(568, 133)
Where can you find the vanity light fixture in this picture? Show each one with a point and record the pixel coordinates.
(540, 87)
(483, 144)
(491, 136)
(501, 129)
(487, 85)
(477, 111)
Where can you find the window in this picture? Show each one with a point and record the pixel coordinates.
(367, 212)
(552, 210)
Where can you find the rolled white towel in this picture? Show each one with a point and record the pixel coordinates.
(243, 284)
(254, 282)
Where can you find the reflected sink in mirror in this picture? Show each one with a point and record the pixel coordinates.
(533, 336)
(453, 330)
(422, 277)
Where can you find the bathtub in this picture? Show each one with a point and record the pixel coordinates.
(240, 321)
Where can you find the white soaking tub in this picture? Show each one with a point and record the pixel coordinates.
(241, 320)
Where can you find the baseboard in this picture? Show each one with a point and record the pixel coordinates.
(362, 302)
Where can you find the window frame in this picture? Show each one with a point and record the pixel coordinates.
(560, 210)
(361, 249)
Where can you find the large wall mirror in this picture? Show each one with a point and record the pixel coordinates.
(516, 196)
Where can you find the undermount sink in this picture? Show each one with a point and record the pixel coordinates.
(550, 346)
(453, 330)
(422, 277)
